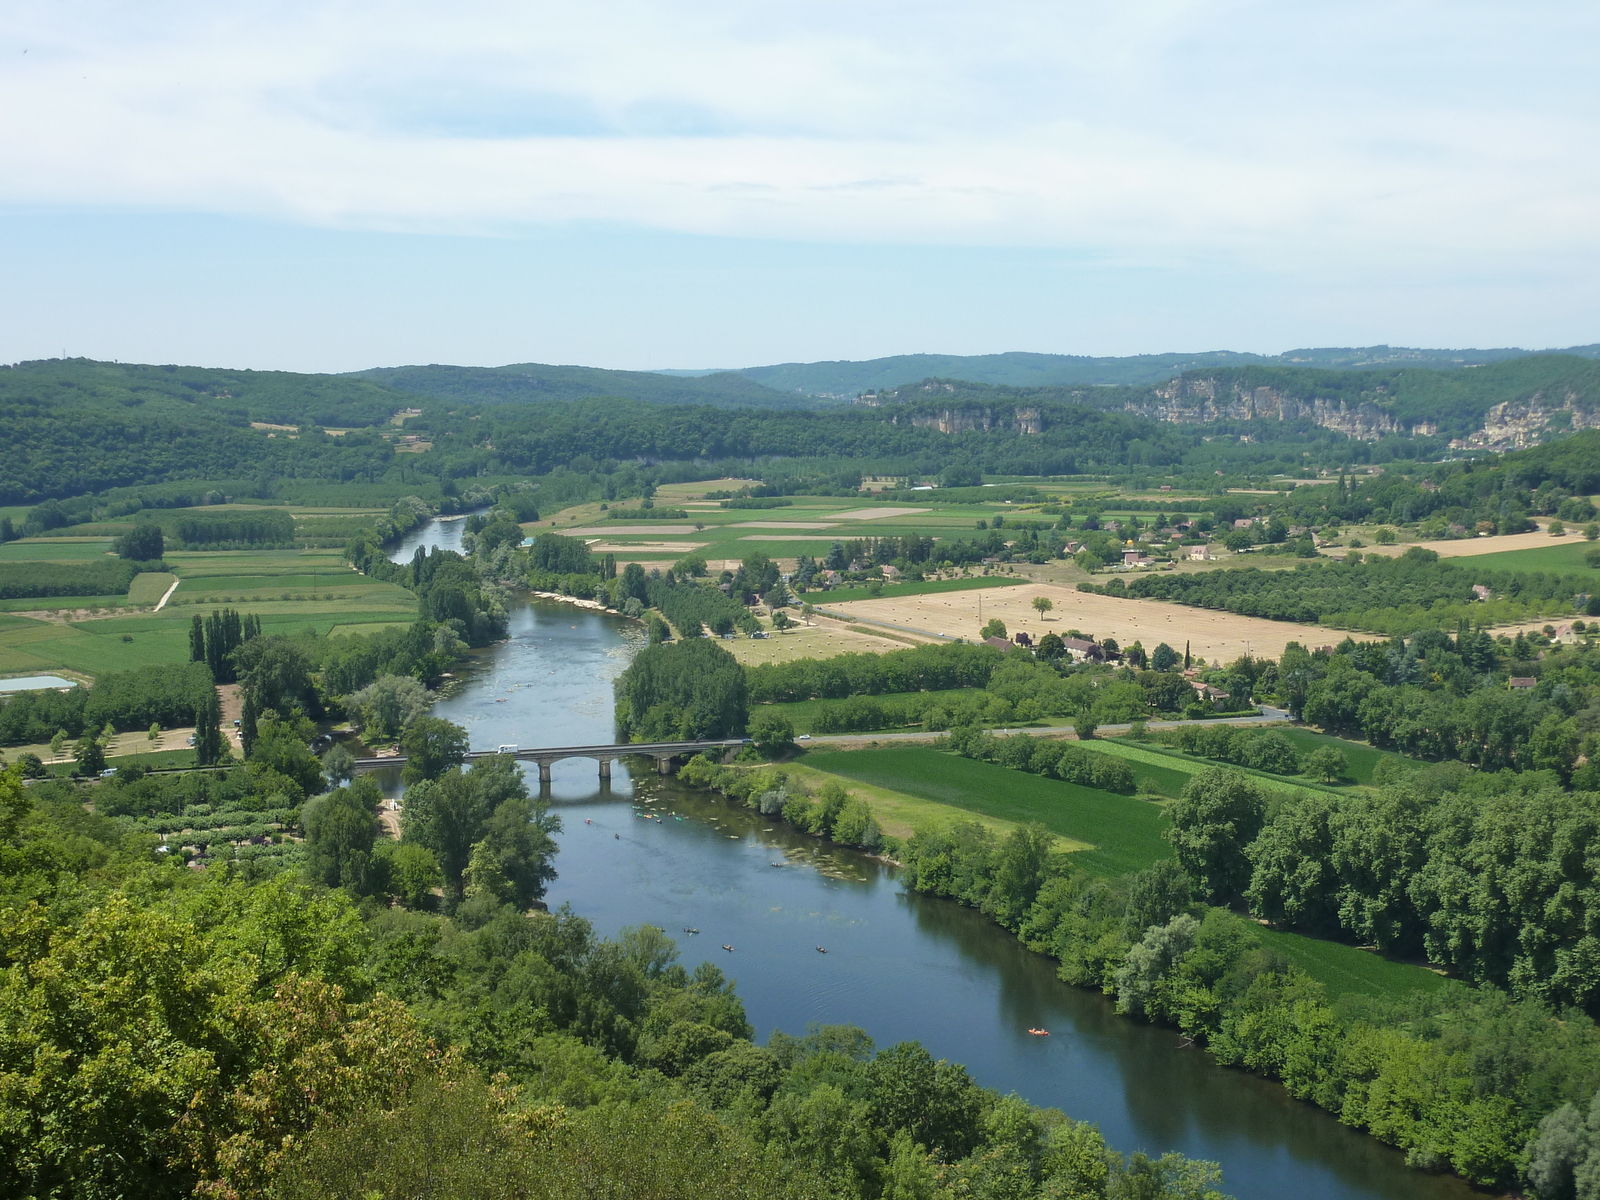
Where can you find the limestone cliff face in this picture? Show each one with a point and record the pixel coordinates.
(1203, 399)
(1520, 423)
(968, 420)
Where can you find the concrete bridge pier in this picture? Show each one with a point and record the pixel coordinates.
(663, 764)
(605, 769)
(544, 770)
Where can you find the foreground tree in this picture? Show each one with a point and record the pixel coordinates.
(1219, 814)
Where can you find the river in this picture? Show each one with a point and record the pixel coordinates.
(899, 965)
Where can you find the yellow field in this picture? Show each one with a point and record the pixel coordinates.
(823, 639)
(1210, 635)
(1471, 546)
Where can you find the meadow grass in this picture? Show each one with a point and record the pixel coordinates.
(1346, 969)
(900, 813)
(1563, 556)
(149, 586)
(96, 646)
(891, 590)
(34, 550)
(1363, 759)
(1125, 833)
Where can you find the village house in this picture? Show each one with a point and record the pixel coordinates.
(1083, 650)
(1520, 683)
(1200, 553)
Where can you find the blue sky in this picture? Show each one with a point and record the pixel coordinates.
(327, 186)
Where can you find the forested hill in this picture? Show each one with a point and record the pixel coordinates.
(1540, 394)
(536, 383)
(208, 394)
(1017, 369)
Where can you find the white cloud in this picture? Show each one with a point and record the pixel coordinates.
(1281, 135)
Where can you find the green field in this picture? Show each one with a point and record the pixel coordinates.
(54, 550)
(1152, 772)
(1564, 555)
(729, 533)
(890, 590)
(1363, 759)
(1344, 969)
(803, 713)
(1125, 833)
(253, 581)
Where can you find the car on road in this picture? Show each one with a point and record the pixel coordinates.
(804, 737)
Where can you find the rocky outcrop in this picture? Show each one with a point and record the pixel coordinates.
(1201, 398)
(1519, 423)
(979, 419)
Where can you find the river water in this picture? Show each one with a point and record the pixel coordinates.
(899, 965)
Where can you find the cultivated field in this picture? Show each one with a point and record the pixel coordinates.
(1210, 635)
(1472, 547)
(821, 639)
(290, 590)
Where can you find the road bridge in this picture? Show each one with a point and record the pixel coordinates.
(548, 756)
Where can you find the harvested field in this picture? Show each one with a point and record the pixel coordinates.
(1211, 635)
(644, 547)
(872, 514)
(823, 639)
(1464, 547)
(615, 530)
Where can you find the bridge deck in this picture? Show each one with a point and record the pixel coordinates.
(544, 755)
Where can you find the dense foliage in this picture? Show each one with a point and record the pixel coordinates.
(103, 578)
(1456, 1077)
(125, 700)
(680, 691)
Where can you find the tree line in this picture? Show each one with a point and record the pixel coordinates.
(1398, 596)
(1418, 1072)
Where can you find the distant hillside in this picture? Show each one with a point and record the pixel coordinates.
(844, 379)
(1516, 402)
(536, 383)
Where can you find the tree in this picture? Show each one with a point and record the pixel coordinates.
(142, 543)
(682, 690)
(389, 705)
(279, 755)
(771, 731)
(209, 746)
(197, 639)
(432, 746)
(1384, 537)
(454, 812)
(1085, 727)
(1215, 819)
(154, 732)
(90, 755)
(1155, 895)
(994, 627)
(409, 871)
(338, 764)
(781, 621)
(249, 719)
(1042, 605)
(340, 832)
(934, 1102)
(1051, 647)
(1327, 763)
(58, 743)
